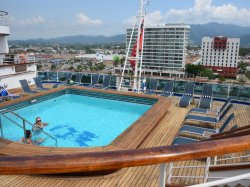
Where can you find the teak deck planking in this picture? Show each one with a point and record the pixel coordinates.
(162, 134)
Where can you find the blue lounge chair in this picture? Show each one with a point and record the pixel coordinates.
(78, 79)
(39, 84)
(206, 119)
(206, 98)
(200, 131)
(187, 96)
(168, 89)
(67, 80)
(94, 80)
(152, 87)
(5, 95)
(205, 111)
(106, 82)
(25, 86)
(184, 140)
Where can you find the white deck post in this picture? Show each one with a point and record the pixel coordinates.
(170, 167)
(163, 171)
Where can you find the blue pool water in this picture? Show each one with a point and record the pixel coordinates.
(78, 121)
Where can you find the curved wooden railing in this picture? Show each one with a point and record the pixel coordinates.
(112, 160)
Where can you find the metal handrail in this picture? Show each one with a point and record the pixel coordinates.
(24, 120)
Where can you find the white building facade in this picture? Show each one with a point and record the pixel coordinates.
(221, 54)
(164, 48)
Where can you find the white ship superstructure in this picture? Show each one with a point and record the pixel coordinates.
(13, 67)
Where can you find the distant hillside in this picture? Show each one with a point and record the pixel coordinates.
(217, 29)
(196, 34)
(75, 40)
(245, 41)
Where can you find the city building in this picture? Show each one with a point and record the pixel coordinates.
(221, 54)
(164, 49)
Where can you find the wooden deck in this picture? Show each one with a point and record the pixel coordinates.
(162, 134)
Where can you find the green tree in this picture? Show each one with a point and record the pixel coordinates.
(244, 51)
(39, 67)
(222, 79)
(242, 66)
(241, 80)
(71, 68)
(79, 68)
(122, 61)
(100, 66)
(207, 73)
(53, 67)
(116, 60)
(248, 74)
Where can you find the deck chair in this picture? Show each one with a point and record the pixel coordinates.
(113, 83)
(78, 79)
(188, 95)
(152, 87)
(208, 119)
(200, 130)
(25, 86)
(168, 89)
(39, 84)
(106, 82)
(206, 111)
(94, 80)
(206, 98)
(5, 95)
(67, 80)
(184, 140)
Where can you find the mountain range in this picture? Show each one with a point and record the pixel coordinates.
(197, 32)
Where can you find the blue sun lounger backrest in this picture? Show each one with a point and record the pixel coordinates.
(106, 81)
(38, 82)
(25, 85)
(168, 88)
(225, 111)
(95, 79)
(224, 105)
(189, 88)
(152, 85)
(78, 78)
(207, 90)
(68, 77)
(226, 123)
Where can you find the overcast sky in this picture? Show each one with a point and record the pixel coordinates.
(54, 18)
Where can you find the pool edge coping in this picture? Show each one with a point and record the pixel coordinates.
(118, 142)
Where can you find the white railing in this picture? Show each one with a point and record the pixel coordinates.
(216, 160)
(16, 59)
(167, 170)
(4, 18)
(224, 181)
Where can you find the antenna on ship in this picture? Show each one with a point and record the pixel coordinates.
(136, 54)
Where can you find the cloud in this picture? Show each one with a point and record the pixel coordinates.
(32, 21)
(85, 20)
(202, 12)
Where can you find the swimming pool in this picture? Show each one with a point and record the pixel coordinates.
(79, 119)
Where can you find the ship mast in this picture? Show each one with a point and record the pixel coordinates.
(135, 57)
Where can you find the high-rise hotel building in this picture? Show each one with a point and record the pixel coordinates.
(221, 54)
(164, 48)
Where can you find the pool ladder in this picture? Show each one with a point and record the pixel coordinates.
(3, 113)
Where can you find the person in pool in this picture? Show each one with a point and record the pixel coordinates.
(27, 139)
(39, 125)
